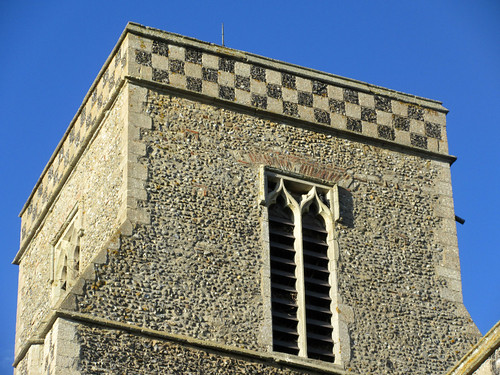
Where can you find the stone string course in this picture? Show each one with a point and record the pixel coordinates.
(106, 351)
(248, 80)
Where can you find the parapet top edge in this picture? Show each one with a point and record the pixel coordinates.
(179, 39)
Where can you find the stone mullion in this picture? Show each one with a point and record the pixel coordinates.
(299, 283)
(299, 272)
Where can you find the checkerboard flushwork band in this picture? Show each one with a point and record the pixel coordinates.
(92, 108)
(290, 94)
(262, 86)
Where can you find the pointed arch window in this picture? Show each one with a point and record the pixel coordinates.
(302, 248)
(66, 257)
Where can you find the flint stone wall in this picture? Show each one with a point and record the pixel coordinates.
(196, 269)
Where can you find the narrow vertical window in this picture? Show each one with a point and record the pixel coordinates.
(317, 287)
(283, 278)
(300, 219)
(66, 258)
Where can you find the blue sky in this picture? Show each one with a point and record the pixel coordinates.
(446, 50)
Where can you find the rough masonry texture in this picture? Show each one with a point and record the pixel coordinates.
(145, 243)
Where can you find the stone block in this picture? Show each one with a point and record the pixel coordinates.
(138, 42)
(339, 121)
(306, 113)
(134, 183)
(432, 144)
(160, 62)
(384, 118)
(138, 216)
(274, 105)
(138, 171)
(402, 137)
(243, 97)
(273, 77)
(449, 273)
(353, 110)
(210, 61)
(210, 88)
(399, 108)
(140, 194)
(258, 87)
(444, 212)
(193, 70)
(178, 80)
(321, 102)
(435, 117)
(242, 69)
(303, 84)
(417, 127)
(335, 92)
(451, 295)
(137, 148)
(369, 128)
(140, 121)
(366, 100)
(176, 52)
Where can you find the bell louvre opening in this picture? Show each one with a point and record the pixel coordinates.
(283, 280)
(300, 273)
(317, 287)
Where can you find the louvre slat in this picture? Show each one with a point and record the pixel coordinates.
(288, 288)
(282, 260)
(316, 268)
(323, 338)
(319, 309)
(283, 246)
(318, 323)
(287, 330)
(281, 233)
(286, 344)
(285, 316)
(284, 301)
(317, 295)
(315, 228)
(281, 220)
(314, 254)
(315, 241)
(290, 275)
(311, 280)
(321, 353)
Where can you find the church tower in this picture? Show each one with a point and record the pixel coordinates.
(212, 211)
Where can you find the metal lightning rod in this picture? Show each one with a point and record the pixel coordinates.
(222, 33)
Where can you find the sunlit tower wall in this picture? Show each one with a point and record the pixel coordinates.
(213, 211)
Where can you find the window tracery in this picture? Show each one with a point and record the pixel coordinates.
(301, 218)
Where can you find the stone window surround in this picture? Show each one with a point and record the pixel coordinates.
(66, 255)
(341, 314)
